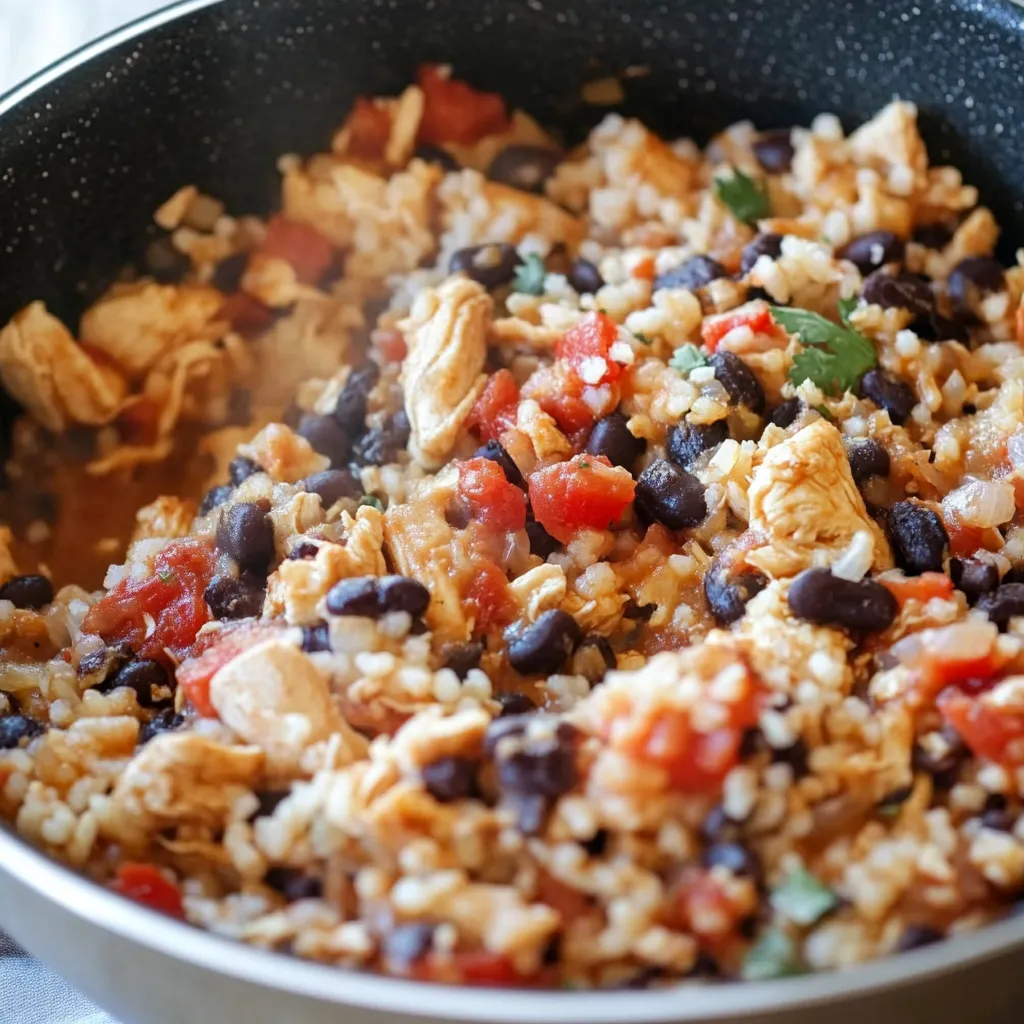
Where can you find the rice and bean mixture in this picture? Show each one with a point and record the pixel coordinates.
(610, 570)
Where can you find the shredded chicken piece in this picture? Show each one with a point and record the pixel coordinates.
(283, 454)
(804, 502)
(547, 440)
(273, 696)
(446, 333)
(539, 590)
(138, 326)
(52, 377)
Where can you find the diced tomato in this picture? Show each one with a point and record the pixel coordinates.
(492, 500)
(495, 410)
(454, 111)
(477, 967)
(643, 269)
(246, 313)
(991, 731)
(146, 885)
(172, 598)
(212, 653)
(757, 317)
(390, 343)
(308, 252)
(586, 491)
(585, 347)
(369, 127)
(705, 907)
(573, 405)
(488, 597)
(920, 588)
(949, 656)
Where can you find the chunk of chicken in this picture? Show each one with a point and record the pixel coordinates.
(446, 333)
(180, 778)
(137, 326)
(803, 501)
(52, 377)
(283, 454)
(273, 696)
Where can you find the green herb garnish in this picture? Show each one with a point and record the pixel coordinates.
(166, 575)
(686, 358)
(747, 200)
(530, 274)
(774, 955)
(822, 411)
(834, 357)
(803, 898)
(373, 501)
(583, 464)
(642, 338)
(846, 307)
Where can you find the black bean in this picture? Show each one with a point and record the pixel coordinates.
(269, 801)
(796, 755)
(407, 943)
(228, 274)
(101, 663)
(166, 720)
(450, 778)
(934, 236)
(241, 468)
(543, 647)
(531, 811)
(718, 827)
(246, 533)
(332, 485)
(899, 291)
(639, 612)
(585, 278)
(734, 857)
(461, 658)
(327, 437)
(868, 252)
(294, 884)
(593, 659)
(1004, 603)
(999, 819)
(696, 272)
(402, 594)
(141, 676)
(752, 743)
(688, 441)
(436, 155)
(166, 262)
(944, 768)
(774, 150)
(973, 278)
(524, 167)
(818, 596)
(765, 244)
(27, 591)
(316, 638)
(542, 544)
(538, 767)
(302, 551)
(231, 598)
(786, 412)
(214, 498)
(514, 705)
(350, 408)
(937, 327)
(867, 458)
(15, 728)
(973, 576)
(738, 379)
(705, 966)
(918, 537)
(381, 445)
(727, 594)
(889, 393)
(613, 439)
(354, 596)
(917, 935)
(893, 800)
(668, 494)
(494, 451)
(490, 265)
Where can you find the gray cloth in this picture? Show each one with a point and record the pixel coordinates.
(32, 994)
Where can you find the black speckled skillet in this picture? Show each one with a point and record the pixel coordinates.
(212, 93)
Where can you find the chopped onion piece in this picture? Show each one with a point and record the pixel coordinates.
(981, 503)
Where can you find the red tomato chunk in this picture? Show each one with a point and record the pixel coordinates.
(495, 410)
(585, 347)
(369, 127)
(991, 731)
(172, 598)
(488, 598)
(715, 328)
(146, 885)
(492, 500)
(454, 111)
(586, 491)
(308, 252)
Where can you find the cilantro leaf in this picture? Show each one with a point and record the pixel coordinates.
(530, 274)
(774, 955)
(166, 575)
(846, 307)
(642, 338)
(373, 501)
(686, 358)
(843, 356)
(747, 200)
(803, 898)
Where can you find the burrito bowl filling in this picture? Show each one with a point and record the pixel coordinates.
(574, 568)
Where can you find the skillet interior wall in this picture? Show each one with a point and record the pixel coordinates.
(215, 97)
